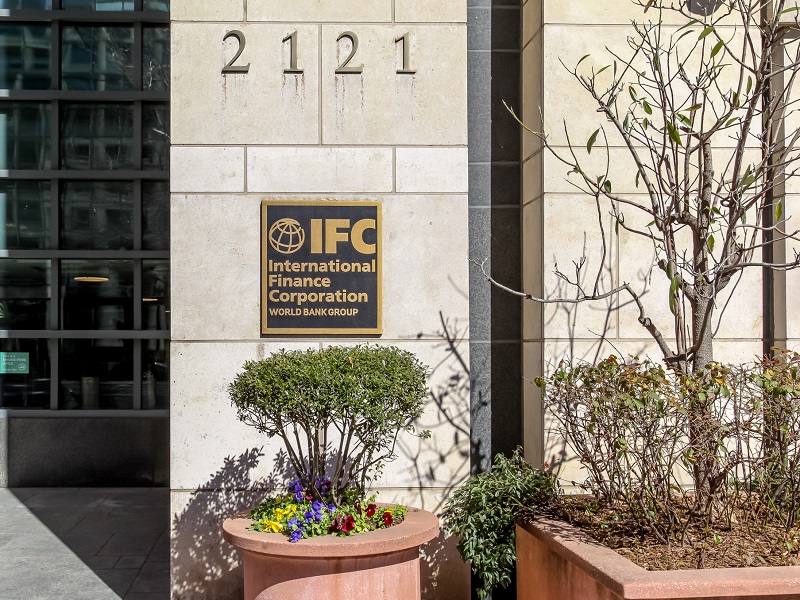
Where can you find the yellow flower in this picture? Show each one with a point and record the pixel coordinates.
(272, 526)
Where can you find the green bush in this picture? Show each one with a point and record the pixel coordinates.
(483, 513)
(338, 410)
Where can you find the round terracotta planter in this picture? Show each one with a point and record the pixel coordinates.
(368, 566)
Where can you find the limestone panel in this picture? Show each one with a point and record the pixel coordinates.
(431, 170)
(425, 276)
(219, 10)
(532, 272)
(205, 433)
(603, 12)
(380, 106)
(571, 234)
(531, 20)
(207, 169)
(293, 169)
(264, 105)
(321, 11)
(416, 11)
(215, 267)
(792, 209)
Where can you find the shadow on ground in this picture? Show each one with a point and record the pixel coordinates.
(84, 543)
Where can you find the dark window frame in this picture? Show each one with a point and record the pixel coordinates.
(138, 98)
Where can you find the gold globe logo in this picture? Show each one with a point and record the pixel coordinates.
(286, 236)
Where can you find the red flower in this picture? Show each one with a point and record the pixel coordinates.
(336, 525)
(349, 524)
(387, 519)
(371, 510)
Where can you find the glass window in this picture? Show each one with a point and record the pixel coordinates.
(155, 215)
(24, 293)
(162, 5)
(97, 58)
(25, 129)
(155, 59)
(25, 57)
(155, 374)
(97, 215)
(29, 386)
(97, 294)
(96, 374)
(97, 136)
(155, 138)
(155, 294)
(97, 4)
(25, 208)
(26, 4)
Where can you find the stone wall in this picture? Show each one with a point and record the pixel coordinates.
(241, 138)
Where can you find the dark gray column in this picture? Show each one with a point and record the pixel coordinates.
(493, 66)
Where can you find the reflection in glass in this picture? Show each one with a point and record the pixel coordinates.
(97, 136)
(155, 374)
(31, 389)
(97, 294)
(155, 59)
(26, 4)
(25, 57)
(25, 210)
(97, 4)
(97, 215)
(162, 5)
(155, 215)
(97, 58)
(155, 137)
(155, 294)
(25, 131)
(24, 293)
(96, 374)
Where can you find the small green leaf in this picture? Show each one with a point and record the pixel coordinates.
(731, 121)
(634, 95)
(673, 134)
(685, 120)
(645, 124)
(673, 285)
(779, 211)
(603, 69)
(694, 107)
(607, 186)
(749, 84)
(706, 32)
(592, 140)
(647, 107)
(710, 243)
(583, 58)
(638, 176)
(788, 10)
(715, 50)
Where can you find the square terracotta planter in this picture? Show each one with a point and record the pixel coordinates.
(556, 561)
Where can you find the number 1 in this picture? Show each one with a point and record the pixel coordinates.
(292, 39)
(406, 70)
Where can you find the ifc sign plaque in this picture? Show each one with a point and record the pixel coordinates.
(321, 268)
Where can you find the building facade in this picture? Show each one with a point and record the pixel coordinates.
(142, 138)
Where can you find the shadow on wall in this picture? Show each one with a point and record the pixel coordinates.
(204, 565)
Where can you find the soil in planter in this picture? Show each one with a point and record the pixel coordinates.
(750, 542)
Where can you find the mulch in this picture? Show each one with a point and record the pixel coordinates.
(749, 539)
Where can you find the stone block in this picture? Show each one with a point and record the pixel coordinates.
(417, 11)
(216, 257)
(382, 107)
(264, 105)
(219, 10)
(319, 170)
(341, 11)
(442, 170)
(207, 169)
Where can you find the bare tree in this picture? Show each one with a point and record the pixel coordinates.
(704, 111)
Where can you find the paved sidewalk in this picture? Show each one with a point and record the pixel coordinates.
(84, 544)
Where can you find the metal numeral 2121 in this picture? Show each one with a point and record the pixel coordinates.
(343, 69)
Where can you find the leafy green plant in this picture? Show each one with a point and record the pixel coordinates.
(338, 410)
(483, 513)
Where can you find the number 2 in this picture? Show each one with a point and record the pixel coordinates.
(230, 68)
(343, 68)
